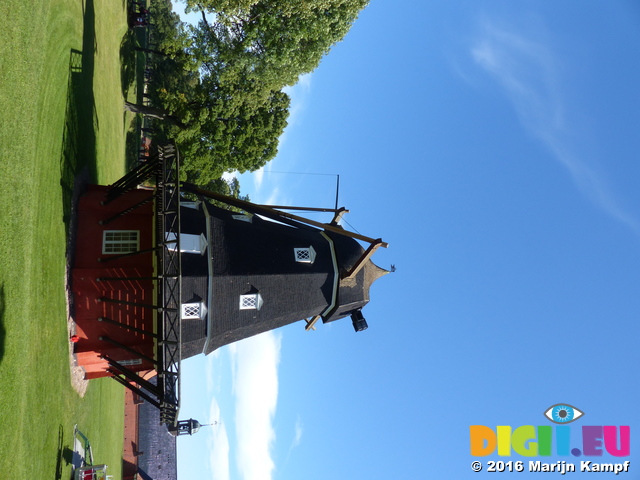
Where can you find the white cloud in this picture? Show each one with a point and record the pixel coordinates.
(255, 386)
(297, 438)
(213, 372)
(258, 177)
(299, 94)
(274, 197)
(218, 443)
(528, 72)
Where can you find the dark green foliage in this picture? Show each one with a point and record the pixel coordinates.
(273, 41)
(230, 188)
(223, 78)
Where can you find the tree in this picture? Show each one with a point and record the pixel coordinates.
(272, 41)
(220, 83)
(241, 138)
(153, 112)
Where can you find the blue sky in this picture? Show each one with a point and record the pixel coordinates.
(495, 146)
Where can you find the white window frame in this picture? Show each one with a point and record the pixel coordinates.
(191, 310)
(119, 246)
(243, 218)
(251, 301)
(194, 205)
(189, 243)
(304, 255)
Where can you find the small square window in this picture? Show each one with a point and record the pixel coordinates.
(304, 255)
(191, 310)
(120, 241)
(251, 301)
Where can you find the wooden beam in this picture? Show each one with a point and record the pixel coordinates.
(128, 327)
(134, 389)
(311, 324)
(137, 304)
(128, 210)
(126, 348)
(307, 209)
(274, 214)
(338, 216)
(363, 259)
(134, 377)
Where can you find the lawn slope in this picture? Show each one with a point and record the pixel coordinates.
(61, 103)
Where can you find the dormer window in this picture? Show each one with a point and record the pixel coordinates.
(192, 310)
(188, 243)
(251, 301)
(304, 255)
(194, 205)
(242, 218)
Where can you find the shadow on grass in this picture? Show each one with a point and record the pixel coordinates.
(133, 61)
(128, 61)
(132, 145)
(3, 332)
(66, 456)
(60, 453)
(81, 121)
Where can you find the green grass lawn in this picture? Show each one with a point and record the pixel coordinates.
(61, 100)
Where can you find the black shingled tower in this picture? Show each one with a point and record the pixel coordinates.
(221, 276)
(243, 274)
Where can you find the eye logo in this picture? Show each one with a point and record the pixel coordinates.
(563, 413)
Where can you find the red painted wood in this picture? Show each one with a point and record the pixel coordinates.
(87, 290)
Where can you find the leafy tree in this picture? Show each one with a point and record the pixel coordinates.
(270, 41)
(240, 137)
(219, 83)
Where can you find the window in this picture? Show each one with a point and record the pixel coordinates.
(304, 255)
(242, 218)
(134, 361)
(251, 301)
(120, 241)
(189, 243)
(194, 205)
(191, 310)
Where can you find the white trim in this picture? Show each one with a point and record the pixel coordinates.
(243, 218)
(189, 243)
(191, 310)
(251, 301)
(305, 255)
(207, 217)
(118, 242)
(336, 282)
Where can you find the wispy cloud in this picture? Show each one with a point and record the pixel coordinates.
(218, 443)
(297, 438)
(527, 70)
(255, 386)
(299, 94)
(213, 374)
(258, 177)
(298, 433)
